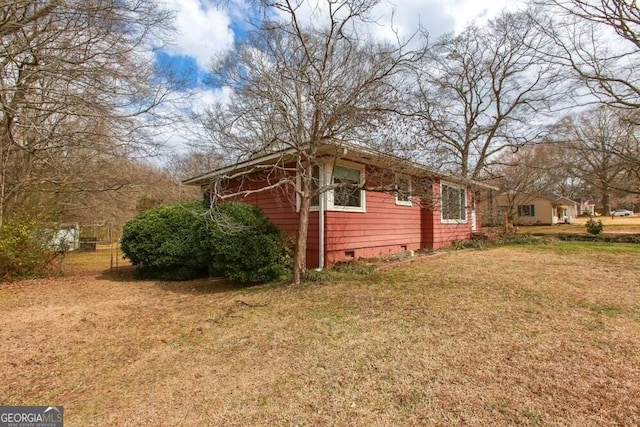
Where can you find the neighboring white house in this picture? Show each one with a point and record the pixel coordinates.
(543, 209)
(587, 207)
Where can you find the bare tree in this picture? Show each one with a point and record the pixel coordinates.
(629, 152)
(192, 163)
(521, 176)
(298, 86)
(600, 41)
(119, 189)
(483, 90)
(594, 141)
(77, 87)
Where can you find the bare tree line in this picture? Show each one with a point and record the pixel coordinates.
(78, 93)
(591, 154)
(599, 40)
(595, 151)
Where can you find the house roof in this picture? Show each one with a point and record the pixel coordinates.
(347, 151)
(553, 197)
(549, 196)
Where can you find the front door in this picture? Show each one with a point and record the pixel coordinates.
(561, 215)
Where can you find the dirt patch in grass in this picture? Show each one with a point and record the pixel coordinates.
(506, 336)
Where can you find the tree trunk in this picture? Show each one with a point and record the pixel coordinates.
(606, 201)
(300, 256)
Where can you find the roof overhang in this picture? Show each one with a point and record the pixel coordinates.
(342, 150)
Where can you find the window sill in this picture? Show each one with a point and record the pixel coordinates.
(346, 209)
(453, 221)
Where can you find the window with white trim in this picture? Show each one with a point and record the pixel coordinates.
(348, 195)
(454, 203)
(403, 190)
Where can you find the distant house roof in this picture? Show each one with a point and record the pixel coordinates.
(553, 197)
(344, 150)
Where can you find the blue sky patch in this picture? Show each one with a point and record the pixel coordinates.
(183, 67)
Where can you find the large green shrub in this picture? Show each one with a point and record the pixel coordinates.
(244, 246)
(184, 241)
(162, 242)
(23, 249)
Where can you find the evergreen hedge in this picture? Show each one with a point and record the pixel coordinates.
(161, 242)
(184, 241)
(244, 246)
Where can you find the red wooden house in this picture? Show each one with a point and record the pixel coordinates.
(376, 204)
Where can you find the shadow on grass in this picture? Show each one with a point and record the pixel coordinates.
(209, 285)
(118, 274)
(212, 285)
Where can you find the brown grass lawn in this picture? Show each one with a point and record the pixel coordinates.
(536, 335)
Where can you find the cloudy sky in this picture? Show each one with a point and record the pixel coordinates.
(205, 30)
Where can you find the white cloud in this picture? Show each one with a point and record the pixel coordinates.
(439, 16)
(466, 11)
(203, 31)
(406, 16)
(189, 133)
(206, 97)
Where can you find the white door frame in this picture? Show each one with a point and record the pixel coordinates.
(474, 226)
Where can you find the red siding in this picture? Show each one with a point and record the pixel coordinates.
(384, 228)
(276, 207)
(279, 206)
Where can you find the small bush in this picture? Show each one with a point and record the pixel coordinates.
(23, 250)
(458, 245)
(594, 227)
